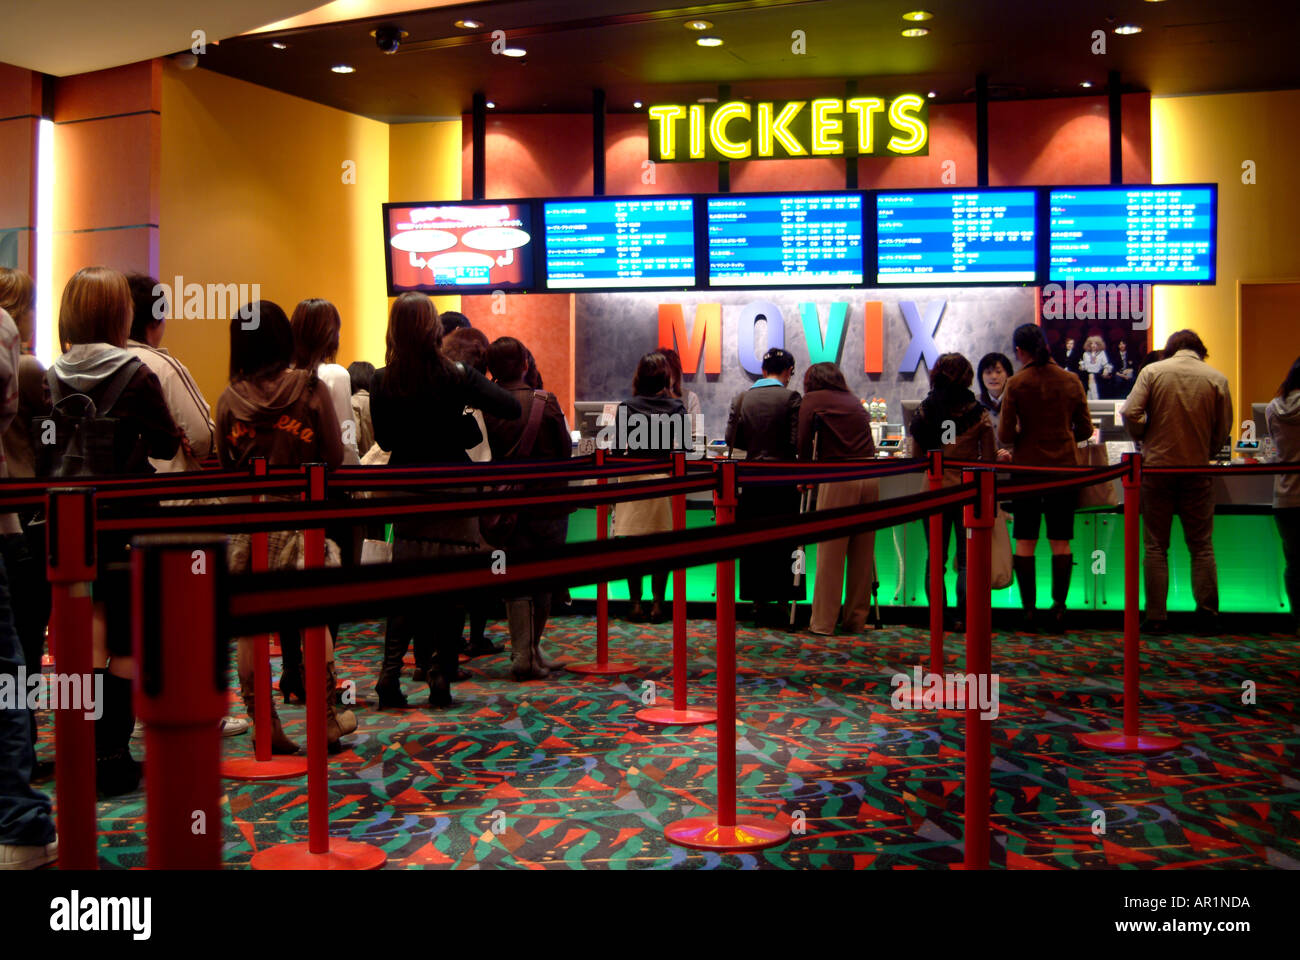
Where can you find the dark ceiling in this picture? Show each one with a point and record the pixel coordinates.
(1028, 48)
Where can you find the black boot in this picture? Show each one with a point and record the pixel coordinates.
(116, 771)
(1062, 569)
(1027, 581)
(389, 686)
(292, 688)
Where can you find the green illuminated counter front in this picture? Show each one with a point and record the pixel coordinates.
(1246, 545)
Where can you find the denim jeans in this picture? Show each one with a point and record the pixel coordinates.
(24, 812)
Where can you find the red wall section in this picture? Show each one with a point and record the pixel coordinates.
(1066, 141)
(531, 155)
(952, 138)
(543, 321)
(627, 142)
(20, 108)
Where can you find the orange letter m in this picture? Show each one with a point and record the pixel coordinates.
(706, 335)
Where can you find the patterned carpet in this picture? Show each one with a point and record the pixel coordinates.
(560, 774)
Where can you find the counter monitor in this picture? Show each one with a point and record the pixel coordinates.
(785, 240)
(621, 243)
(955, 237)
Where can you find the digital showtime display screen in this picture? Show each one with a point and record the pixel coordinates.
(1133, 234)
(785, 240)
(959, 236)
(620, 243)
(459, 247)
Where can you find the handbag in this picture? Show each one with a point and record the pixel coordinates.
(498, 529)
(1099, 494)
(1001, 569)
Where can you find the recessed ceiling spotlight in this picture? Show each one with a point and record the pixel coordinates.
(491, 105)
(636, 104)
(911, 32)
(1128, 29)
(697, 24)
(931, 95)
(916, 16)
(514, 52)
(1086, 84)
(343, 68)
(468, 24)
(277, 45)
(709, 41)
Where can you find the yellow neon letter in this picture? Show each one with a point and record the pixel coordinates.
(865, 108)
(901, 120)
(667, 117)
(697, 132)
(718, 130)
(780, 131)
(825, 129)
(763, 129)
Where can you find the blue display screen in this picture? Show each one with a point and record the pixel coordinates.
(1132, 234)
(960, 236)
(621, 243)
(775, 240)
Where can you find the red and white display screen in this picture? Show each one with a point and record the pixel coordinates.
(458, 247)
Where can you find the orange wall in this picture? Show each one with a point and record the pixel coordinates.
(252, 192)
(20, 108)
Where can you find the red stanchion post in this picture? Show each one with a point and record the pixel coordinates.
(680, 713)
(319, 852)
(180, 694)
(937, 591)
(726, 831)
(978, 518)
(1131, 739)
(70, 568)
(262, 766)
(603, 664)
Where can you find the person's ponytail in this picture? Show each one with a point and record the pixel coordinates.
(1029, 339)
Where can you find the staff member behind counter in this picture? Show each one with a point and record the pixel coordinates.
(764, 422)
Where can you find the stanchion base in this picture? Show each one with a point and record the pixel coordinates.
(672, 717)
(1115, 741)
(749, 833)
(342, 855)
(613, 666)
(250, 768)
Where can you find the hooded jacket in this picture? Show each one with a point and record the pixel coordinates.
(287, 417)
(1283, 418)
(145, 427)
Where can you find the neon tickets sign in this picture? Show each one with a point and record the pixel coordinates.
(825, 127)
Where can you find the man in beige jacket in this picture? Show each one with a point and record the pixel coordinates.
(1181, 411)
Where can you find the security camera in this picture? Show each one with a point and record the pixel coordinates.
(389, 38)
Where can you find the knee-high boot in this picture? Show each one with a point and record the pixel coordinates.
(542, 613)
(1026, 580)
(338, 723)
(116, 772)
(292, 687)
(1062, 569)
(519, 613)
(389, 686)
(280, 742)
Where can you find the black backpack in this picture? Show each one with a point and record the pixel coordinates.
(80, 432)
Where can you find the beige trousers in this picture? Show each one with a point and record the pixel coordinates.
(860, 551)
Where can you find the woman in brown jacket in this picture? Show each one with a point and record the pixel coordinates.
(1044, 415)
(951, 419)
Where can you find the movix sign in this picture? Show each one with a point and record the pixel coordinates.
(702, 339)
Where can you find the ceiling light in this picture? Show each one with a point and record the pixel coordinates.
(491, 105)
(343, 68)
(636, 104)
(277, 45)
(1086, 84)
(932, 94)
(709, 41)
(915, 32)
(514, 52)
(916, 16)
(468, 24)
(707, 100)
(697, 24)
(1128, 29)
